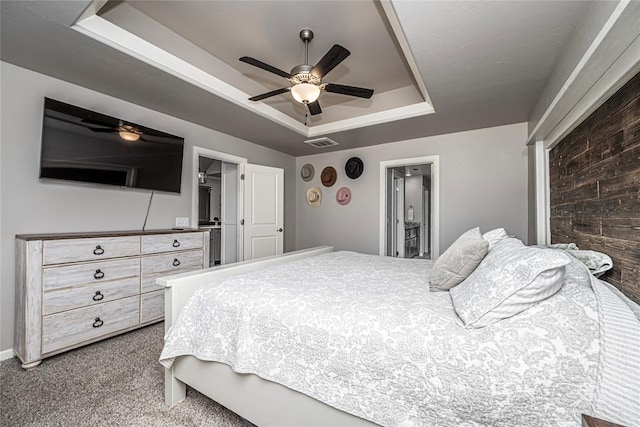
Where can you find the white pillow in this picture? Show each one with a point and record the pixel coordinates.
(458, 261)
(494, 236)
(510, 279)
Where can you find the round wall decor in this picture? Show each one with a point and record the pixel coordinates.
(328, 176)
(307, 172)
(354, 167)
(314, 196)
(343, 196)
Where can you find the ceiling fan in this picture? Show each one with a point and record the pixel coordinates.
(307, 79)
(125, 131)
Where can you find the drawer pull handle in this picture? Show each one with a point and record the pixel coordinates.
(99, 274)
(176, 244)
(98, 296)
(97, 323)
(176, 262)
(98, 250)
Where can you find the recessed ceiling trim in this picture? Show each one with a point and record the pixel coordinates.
(621, 71)
(572, 87)
(110, 34)
(92, 9)
(392, 18)
(400, 113)
(118, 38)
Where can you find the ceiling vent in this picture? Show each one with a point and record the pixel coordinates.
(323, 142)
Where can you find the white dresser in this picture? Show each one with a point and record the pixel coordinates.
(74, 289)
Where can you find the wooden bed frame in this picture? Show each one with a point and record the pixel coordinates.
(259, 401)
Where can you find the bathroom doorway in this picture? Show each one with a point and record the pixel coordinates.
(216, 203)
(217, 207)
(409, 213)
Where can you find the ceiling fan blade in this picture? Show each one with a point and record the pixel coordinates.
(330, 60)
(266, 67)
(103, 130)
(314, 108)
(269, 94)
(360, 92)
(99, 123)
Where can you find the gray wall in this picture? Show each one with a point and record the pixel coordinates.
(483, 182)
(33, 206)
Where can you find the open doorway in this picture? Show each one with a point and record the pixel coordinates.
(217, 203)
(409, 218)
(217, 208)
(409, 212)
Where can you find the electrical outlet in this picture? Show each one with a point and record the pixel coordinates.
(182, 221)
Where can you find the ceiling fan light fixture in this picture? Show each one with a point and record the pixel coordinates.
(129, 136)
(307, 79)
(305, 92)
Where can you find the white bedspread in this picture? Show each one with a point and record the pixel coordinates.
(363, 334)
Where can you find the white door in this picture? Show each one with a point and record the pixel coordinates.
(263, 211)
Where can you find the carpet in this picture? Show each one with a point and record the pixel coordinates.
(115, 382)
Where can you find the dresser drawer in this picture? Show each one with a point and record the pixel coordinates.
(172, 263)
(89, 273)
(89, 249)
(152, 306)
(77, 326)
(157, 243)
(65, 299)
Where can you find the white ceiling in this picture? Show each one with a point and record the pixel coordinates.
(483, 63)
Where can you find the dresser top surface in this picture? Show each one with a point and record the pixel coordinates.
(83, 234)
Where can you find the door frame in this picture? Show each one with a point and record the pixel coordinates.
(397, 244)
(425, 217)
(434, 161)
(228, 158)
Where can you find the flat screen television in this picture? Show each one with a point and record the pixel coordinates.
(86, 146)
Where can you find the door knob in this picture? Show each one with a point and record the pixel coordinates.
(279, 230)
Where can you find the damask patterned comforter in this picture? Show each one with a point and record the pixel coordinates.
(363, 334)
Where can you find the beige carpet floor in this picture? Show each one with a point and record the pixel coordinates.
(115, 382)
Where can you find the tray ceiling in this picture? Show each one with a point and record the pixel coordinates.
(484, 63)
(212, 36)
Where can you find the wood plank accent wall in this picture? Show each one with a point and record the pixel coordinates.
(595, 187)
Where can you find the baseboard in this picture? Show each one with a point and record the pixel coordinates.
(6, 354)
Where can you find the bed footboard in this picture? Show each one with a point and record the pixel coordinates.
(261, 402)
(180, 287)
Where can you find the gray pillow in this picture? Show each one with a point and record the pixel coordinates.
(458, 261)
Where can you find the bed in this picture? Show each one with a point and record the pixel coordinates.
(359, 340)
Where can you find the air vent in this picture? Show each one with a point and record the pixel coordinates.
(321, 142)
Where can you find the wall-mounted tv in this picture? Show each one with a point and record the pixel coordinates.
(82, 145)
